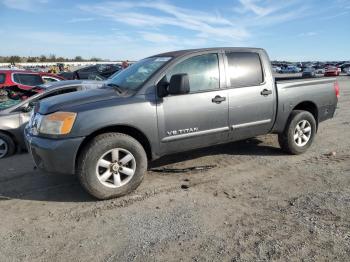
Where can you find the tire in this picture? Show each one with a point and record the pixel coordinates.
(98, 158)
(290, 139)
(7, 146)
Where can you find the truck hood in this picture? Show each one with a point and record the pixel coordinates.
(61, 102)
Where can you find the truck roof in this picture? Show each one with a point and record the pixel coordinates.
(189, 51)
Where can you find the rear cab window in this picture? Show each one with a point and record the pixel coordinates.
(244, 69)
(27, 79)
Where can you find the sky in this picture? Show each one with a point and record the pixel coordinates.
(295, 30)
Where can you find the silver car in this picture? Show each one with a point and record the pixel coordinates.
(15, 114)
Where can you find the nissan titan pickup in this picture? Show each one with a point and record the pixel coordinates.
(170, 103)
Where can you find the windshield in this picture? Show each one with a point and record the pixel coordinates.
(6, 103)
(134, 76)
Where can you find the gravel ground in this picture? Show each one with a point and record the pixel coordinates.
(257, 204)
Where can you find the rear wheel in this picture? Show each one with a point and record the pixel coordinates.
(299, 132)
(7, 146)
(112, 165)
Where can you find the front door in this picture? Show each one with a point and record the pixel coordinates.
(199, 118)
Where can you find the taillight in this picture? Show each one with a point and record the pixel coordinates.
(336, 88)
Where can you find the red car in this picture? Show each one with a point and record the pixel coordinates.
(331, 71)
(26, 80)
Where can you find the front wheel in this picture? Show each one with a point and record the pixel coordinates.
(112, 165)
(299, 132)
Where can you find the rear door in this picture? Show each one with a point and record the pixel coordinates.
(199, 118)
(251, 94)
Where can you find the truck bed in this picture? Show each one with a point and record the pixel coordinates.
(318, 93)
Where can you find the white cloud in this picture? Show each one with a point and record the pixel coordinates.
(82, 19)
(112, 46)
(157, 37)
(24, 5)
(251, 5)
(308, 34)
(137, 14)
(230, 28)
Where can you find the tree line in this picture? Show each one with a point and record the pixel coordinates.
(43, 58)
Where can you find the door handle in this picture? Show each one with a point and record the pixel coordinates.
(218, 99)
(266, 92)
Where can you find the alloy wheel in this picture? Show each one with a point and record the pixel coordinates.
(302, 133)
(116, 168)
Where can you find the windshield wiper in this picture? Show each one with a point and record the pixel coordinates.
(116, 87)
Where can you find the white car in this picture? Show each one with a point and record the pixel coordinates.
(320, 71)
(348, 71)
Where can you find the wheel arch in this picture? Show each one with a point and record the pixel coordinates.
(124, 129)
(310, 107)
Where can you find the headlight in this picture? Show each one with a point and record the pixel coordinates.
(59, 123)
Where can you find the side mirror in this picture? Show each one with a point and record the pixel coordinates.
(179, 84)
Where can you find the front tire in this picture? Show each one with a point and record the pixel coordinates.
(299, 132)
(7, 146)
(112, 165)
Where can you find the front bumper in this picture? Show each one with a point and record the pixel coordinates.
(54, 155)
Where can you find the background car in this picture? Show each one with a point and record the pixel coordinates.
(348, 71)
(331, 71)
(276, 69)
(345, 67)
(26, 79)
(100, 71)
(290, 70)
(320, 71)
(309, 72)
(15, 113)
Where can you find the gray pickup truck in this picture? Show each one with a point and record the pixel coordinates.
(171, 103)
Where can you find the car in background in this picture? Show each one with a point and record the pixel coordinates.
(347, 71)
(309, 72)
(290, 70)
(332, 71)
(99, 71)
(320, 71)
(344, 67)
(15, 113)
(276, 69)
(26, 79)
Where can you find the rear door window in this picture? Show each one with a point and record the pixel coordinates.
(2, 78)
(244, 69)
(27, 79)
